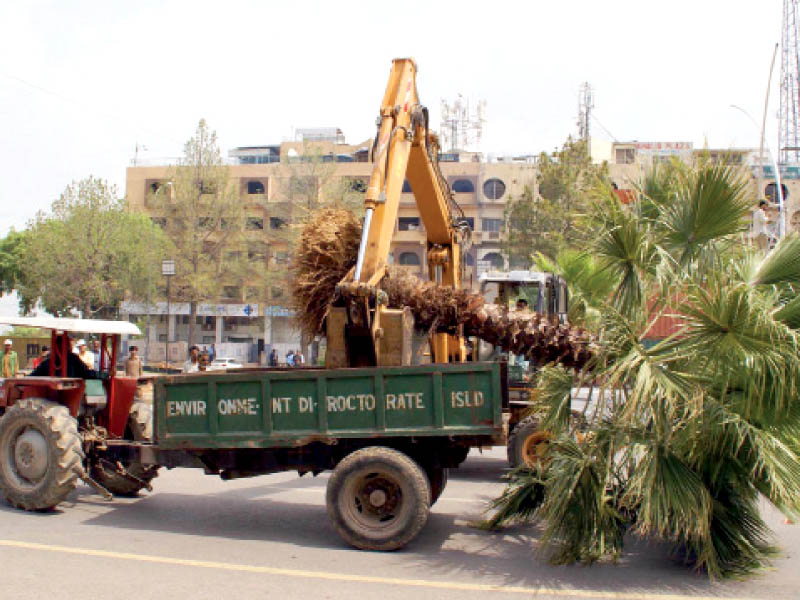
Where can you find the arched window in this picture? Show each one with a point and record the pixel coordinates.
(495, 259)
(409, 258)
(771, 192)
(463, 186)
(255, 187)
(406, 187)
(494, 189)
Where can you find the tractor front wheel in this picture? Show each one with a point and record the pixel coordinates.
(527, 444)
(40, 454)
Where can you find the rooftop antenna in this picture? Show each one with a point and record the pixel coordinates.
(585, 106)
(789, 129)
(462, 128)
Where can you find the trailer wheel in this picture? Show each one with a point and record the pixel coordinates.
(40, 454)
(437, 478)
(527, 444)
(140, 425)
(378, 499)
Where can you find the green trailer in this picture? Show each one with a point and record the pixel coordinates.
(389, 434)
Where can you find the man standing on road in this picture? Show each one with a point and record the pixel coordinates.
(190, 366)
(8, 360)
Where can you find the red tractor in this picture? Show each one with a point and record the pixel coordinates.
(51, 427)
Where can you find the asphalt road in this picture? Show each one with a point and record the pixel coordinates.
(198, 537)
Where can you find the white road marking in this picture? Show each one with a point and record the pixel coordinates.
(303, 574)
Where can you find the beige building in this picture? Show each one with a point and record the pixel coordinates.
(271, 177)
(629, 160)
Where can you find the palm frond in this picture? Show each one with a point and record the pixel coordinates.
(781, 265)
(709, 206)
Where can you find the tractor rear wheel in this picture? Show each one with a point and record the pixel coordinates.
(140, 426)
(40, 454)
(378, 498)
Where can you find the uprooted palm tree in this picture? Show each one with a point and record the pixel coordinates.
(686, 435)
(328, 249)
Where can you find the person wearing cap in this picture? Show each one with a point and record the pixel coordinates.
(86, 356)
(8, 360)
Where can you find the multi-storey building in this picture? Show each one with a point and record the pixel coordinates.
(272, 178)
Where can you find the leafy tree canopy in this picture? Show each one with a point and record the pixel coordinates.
(87, 254)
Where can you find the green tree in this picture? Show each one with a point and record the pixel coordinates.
(531, 225)
(87, 254)
(552, 219)
(688, 435)
(11, 248)
(202, 213)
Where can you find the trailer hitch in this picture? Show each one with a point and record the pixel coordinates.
(95, 485)
(123, 472)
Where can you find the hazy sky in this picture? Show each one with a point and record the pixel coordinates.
(82, 83)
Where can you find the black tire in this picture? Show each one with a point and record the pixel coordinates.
(378, 499)
(437, 480)
(527, 443)
(41, 456)
(140, 424)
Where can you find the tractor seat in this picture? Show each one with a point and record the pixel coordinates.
(95, 392)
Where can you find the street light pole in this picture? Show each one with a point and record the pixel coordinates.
(167, 270)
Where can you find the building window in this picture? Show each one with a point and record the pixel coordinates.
(160, 221)
(276, 292)
(356, 184)
(205, 222)
(254, 223)
(409, 258)
(494, 189)
(625, 156)
(495, 260)
(771, 192)
(469, 221)
(407, 187)
(463, 186)
(276, 223)
(408, 223)
(469, 260)
(155, 186)
(495, 225)
(230, 292)
(256, 251)
(255, 187)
